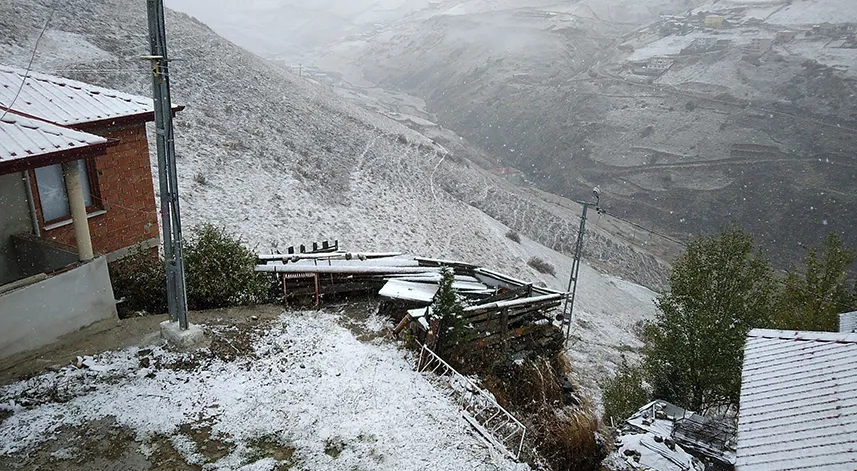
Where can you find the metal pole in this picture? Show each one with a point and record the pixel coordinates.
(574, 276)
(31, 203)
(167, 110)
(167, 174)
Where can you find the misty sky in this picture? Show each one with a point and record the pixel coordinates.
(291, 29)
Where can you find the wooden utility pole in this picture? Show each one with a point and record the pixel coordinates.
(171, 226)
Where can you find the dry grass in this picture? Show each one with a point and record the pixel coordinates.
(562, 426)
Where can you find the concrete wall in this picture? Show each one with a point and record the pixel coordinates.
(40, 314)
(14, 219)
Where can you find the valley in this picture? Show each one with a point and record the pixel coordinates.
(687, 126)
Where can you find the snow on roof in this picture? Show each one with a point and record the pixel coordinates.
(22, 138)
(656, 454)
(408, 291)
(798, 402)
(495, 279)
(848, 322)
(647, 419)
(66, 102)
(343, 269)
(515, 302)
(331, 261)
(711, 438)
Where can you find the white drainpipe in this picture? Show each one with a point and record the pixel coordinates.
(78, 210)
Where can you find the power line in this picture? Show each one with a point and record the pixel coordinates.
(176, 40)
(32, 57)
(664, 236)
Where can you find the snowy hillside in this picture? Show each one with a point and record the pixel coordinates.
(686, 127)
(281, 161)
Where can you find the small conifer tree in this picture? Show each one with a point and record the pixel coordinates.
(453, 329)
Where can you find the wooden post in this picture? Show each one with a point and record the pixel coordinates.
(317, 294)
(285, 291)
(401, 326)
(431, 338)
(504, 328)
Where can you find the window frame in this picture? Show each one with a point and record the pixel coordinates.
(94, 191)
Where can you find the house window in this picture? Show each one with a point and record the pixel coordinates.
(52, 192)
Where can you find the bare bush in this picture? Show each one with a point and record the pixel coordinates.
(542, 266)
(513, 236)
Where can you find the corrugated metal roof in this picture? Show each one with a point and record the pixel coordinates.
(21, 138)
(798, 401)
(848, 322)
(66, 102)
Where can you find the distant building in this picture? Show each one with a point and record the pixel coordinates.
(759, 46)
(848, 322)
(707, 44)
(784, 37)
(714, 21)
(655, 66)
(825, 29)
(798, 407)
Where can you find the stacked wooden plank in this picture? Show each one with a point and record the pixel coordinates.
(498, 308)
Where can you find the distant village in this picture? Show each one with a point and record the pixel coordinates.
(715, 32)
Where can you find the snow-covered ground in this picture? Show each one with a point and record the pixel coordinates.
(309, 384)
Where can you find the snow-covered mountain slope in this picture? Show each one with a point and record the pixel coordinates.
(281, 160)
(686, 128)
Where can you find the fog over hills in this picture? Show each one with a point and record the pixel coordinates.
(687, 127)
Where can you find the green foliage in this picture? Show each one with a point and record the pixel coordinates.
(813, 298)
(453, 329)
(624, 393)
(719, 289)
(220, 271)
(141, 282)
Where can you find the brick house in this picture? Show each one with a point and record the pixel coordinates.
(120, 199)
(75, 191)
